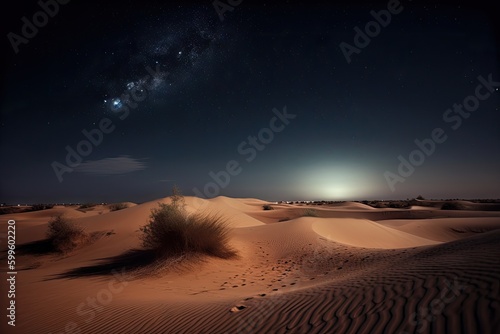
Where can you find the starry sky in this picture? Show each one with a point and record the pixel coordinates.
(118, 101)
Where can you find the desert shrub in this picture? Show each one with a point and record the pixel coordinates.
(64, 235)
(310, 213)
(118, 206)
(38, 207)
(267, 207)
(87, 205)
(452, 206)
(172, 231)
(420, 197)
(399, 204)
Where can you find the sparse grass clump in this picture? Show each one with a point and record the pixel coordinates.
(64, 235)
(310, 213)
(267, 207)
(118, 206)
(171, 231)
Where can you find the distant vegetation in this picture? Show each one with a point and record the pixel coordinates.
(117, 206)
(444, 204)
(38, 207)
(9, 210)
(64, 235)
(18, 209)
(310, 213)
(171, 231)
(87, 205)
(452, 206)
(267, 207)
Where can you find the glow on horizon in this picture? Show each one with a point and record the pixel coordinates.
(336, 181)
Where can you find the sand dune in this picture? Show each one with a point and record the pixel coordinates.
(365, 233)
(351, 269)
(445, 229)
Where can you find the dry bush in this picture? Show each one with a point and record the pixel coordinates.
(64, 235)
(118, 206)
(310, 213)
(208, 234)
(173, 232)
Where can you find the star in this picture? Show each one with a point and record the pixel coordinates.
(117, 103)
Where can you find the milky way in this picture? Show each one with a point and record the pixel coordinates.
(181, 50)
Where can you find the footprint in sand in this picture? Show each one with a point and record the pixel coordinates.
(237, 308)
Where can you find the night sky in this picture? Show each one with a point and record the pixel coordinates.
(265, 101)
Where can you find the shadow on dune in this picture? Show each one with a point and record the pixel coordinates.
(39, 247)
(46, 246)
(131, 261)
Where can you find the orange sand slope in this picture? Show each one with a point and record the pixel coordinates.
(345, 268)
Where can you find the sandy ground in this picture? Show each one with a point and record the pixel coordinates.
(351, 269)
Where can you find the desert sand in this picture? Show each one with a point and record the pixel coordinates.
(350, 269)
